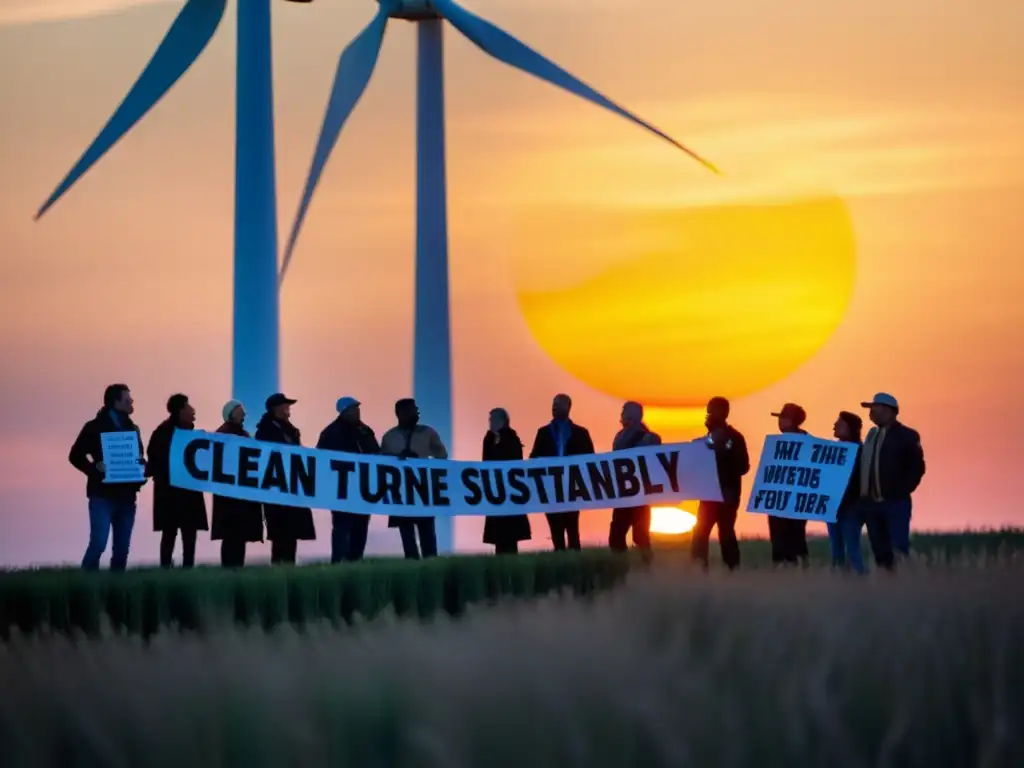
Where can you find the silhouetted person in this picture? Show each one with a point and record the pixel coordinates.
(286, 526)
(733, 462)
(891, 468)
(789, 536)
(111, 505)
(410, 439)
(174, 509)
(502, 443)
(236, 522)
(561, 437)
(844, 533)
(348, 434)
(634, 434)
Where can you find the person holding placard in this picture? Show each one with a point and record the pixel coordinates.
(236, 522)
(844, 534)
(502, 443)
(789, 536)
(108, 451)
(174, 509)
(562, 437)
(733, 462)
(412, 440)
(286, 526)
(634, 434)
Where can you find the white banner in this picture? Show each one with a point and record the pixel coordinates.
(802, 477)
(372, 484)
(121, 457)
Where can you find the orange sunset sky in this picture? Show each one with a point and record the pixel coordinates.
(867, 234)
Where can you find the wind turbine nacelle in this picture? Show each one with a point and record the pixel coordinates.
(410, 10)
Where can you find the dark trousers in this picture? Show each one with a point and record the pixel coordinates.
(283, 551)
(188, 547)
(106, 515)
(565, 530)
(637, 518)
(506, 548)
(722, 514)
(876, 516)
(232, 553)
(427, 545)
(348, 536)
(789, 540)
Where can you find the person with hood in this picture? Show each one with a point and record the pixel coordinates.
(844, 533)
(562, 437)
(634, 434)
(732, 461)
(789, 536)
(174, 509)
(112, 506)
(286, 525)
(412, 440)
(348, 434)
(502, 443)
(236, 522)
(891, 468)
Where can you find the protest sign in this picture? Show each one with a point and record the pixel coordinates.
(121, 454)
(802, 477)
(370, 484)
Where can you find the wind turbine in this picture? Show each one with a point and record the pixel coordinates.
(432, 376)
(255, 348)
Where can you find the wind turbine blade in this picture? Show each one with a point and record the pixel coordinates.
(501, 45)
(355, 67)
(188, 36)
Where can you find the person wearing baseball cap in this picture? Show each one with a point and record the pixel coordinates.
(236, 522)
(788, 536)
(891, 468)
(174, 509)
(348, 434)
(286, 525)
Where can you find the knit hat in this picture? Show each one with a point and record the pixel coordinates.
(228, 408)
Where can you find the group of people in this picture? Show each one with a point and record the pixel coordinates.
(889, 468)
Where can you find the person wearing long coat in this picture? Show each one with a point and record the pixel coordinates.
(174, 509)
(236, 522)
(501, 443)
(286, 526)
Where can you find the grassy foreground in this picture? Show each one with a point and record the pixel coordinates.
(924, 669)
(143, 601)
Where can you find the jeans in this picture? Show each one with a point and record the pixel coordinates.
(844, 540)
(104, 515)
(898, 514)
(875, 515)
(348, 536)
(427, 546)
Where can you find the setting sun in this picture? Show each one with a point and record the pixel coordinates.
(671, 520)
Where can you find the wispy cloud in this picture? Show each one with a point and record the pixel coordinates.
(14, 12)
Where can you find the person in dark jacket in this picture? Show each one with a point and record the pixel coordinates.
(501, 443)
(733, 462)
(411, 440)
(562, 437)
(112, 506)
(348, 434)
(286, 525)
(174, 509)
(236, 522)
(789, 536)
(891, 469)
(844, 533)
(634, 434)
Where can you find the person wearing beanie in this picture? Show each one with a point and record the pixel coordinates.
(174, 509)
(236, 522)
(348, 434)
(844, 533)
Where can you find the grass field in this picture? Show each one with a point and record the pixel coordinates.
(924, 667)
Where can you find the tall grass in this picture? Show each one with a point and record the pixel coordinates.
(923, 669)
